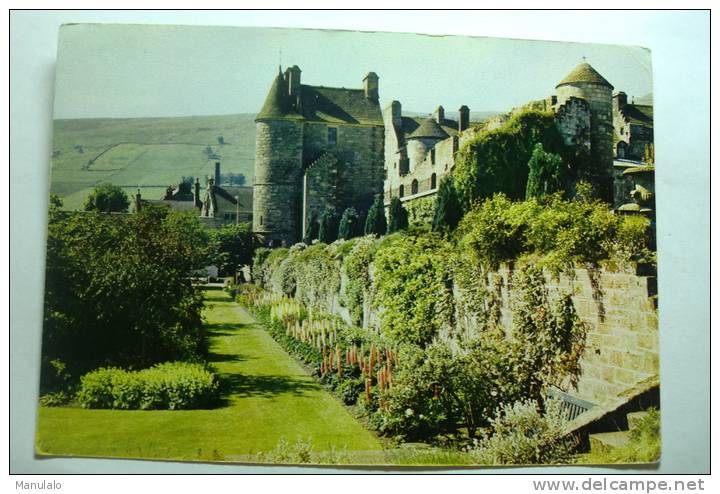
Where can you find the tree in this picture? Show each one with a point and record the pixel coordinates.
(328, 231)
(312, 230)
(232, 247)
(547, 173)
(447, 207)
(118, 290)
(349, 225)
(221, 140)
(107, 198)
(398, 216)
(376, 224)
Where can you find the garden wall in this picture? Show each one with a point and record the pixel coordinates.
(619, 306)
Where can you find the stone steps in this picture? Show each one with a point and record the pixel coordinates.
(603, 442)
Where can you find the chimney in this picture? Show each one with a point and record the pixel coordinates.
(440, 115)
(619, 101)
(370, 84)
(292, 76)
(464, 119)
(217, 173)
(393, 114)
(196, 193)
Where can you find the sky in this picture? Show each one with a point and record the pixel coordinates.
(121, 70)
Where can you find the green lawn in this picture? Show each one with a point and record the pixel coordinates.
(270, 397)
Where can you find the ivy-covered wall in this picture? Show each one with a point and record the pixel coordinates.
(422, 300)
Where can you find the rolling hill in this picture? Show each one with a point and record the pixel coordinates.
(146, 153)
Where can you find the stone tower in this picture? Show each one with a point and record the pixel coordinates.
(586, 83)
(278, 166)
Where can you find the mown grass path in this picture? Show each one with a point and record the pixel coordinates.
(269, 397)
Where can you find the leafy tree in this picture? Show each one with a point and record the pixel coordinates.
(398, 216)
(232, 247)
(107, 198)
(447, 207)
(118, 291)
(547, 173)
(375, 223)
(349, 225)
(312, 230)
(328, 231)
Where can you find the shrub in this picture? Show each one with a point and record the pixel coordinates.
(170, 386)
(376, 223)
(349, 225)
(398, 216)
(447, 207)
(328, 231)
(55, 399)
(547, 173)
(521, 435)
(494, 231)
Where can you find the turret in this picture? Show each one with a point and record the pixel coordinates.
(278, 165)
(371, 86)
(422, 140)
(586, 83)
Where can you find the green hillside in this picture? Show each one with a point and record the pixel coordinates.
(146, 153)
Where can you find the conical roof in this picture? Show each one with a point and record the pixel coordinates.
(429, 128)
(584, 73)
(277, 103)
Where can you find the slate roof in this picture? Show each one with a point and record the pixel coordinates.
(411, 124)
(638, 114)
(429, 128)
(320, 104)
(277, 103)
(338, 105)
(584, 73)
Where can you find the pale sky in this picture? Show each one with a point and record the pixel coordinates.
(116, 70)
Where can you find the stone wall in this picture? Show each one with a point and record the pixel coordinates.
(619, 308)
(618, 305)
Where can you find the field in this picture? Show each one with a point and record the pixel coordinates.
(146, 153)
(270, 397)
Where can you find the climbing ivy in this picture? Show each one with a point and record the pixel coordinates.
(356, 267)
(413, 288)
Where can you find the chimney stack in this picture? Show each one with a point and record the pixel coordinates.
(196, 193)
(292, 77)
(217, 173)
(440, 115)
(464, 119)
(619, 101)
(371, 86)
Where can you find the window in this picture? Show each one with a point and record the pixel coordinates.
(401, 193)
(433, 181)
(332, 135)
(432, 156)
(414, 187)
(622, 131)
(260, 220)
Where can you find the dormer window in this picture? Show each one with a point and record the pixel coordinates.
(332, 136)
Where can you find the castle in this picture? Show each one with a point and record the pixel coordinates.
(320, 147)
(316, 148)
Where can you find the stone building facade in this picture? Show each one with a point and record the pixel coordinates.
(416, 163)
(633, 125)
(316, 148)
